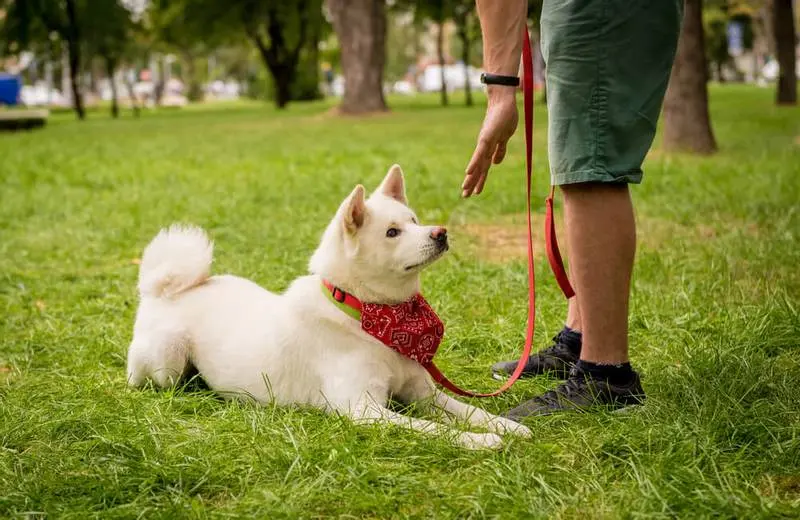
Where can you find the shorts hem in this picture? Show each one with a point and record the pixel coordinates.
(593, 175)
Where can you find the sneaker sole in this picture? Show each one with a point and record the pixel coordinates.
(626, 410)
(623, 410)
(554, 375)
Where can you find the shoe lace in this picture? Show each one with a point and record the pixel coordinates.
(559, 345)
(569, 388)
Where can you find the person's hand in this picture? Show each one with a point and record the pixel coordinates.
(498, 127)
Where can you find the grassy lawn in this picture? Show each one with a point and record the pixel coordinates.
(715, 327)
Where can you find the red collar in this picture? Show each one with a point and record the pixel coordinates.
(342, 297)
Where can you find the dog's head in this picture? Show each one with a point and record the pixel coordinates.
(375, 247)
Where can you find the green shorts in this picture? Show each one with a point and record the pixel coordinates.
(607, 67)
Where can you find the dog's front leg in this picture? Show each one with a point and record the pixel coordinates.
(370, 412)
(475, 416)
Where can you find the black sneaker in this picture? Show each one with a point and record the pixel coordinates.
(557, 359)
(580, 392)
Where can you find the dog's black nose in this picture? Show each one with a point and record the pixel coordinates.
(439, 235)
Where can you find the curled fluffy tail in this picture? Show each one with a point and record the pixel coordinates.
(177, 259)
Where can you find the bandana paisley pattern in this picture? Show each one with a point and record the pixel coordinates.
(411, 328)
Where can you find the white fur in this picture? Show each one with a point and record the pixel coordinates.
(298, 347)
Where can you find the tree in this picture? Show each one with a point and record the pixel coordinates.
(31, 21)
(402, 42)
(437, 11)
(140, 41)
(185, 28)
(360, 26)
(463, 16)
(715, 24)
(284, 35)
(307, 83)
(280, 31)
(86, 29)
(687, 126)
(785, 41)
(70, 31)
(108, 31)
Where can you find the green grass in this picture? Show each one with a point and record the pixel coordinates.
(714, 323)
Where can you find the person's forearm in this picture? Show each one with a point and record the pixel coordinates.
(501, 24)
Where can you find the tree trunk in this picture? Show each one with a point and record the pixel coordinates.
(93, 88)
(160, 83)
(283, 72)
(760, 42)
(687, 126)
(464, 36)
(440, 56)
(74, 80)
(74, 53)
(195, 90)
(283, 77)
(360, 26)
(783, 24)
(132, 96)
(110, 70)
(280, 59)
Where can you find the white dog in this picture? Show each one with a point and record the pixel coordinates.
(300, 347)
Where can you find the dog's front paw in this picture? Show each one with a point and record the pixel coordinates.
(480, 441)
(505, 426)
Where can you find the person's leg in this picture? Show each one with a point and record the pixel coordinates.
(574, 315)
(607, 66)
(602, 240)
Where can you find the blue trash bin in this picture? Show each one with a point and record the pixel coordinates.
(10, 87)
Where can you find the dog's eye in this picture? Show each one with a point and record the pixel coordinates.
(392, 232)
(414, 220)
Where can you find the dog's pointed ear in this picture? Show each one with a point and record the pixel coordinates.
(394, 185)
(354, 210)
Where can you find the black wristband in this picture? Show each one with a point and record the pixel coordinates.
(497, 79)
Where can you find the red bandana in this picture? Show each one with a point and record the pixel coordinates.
(410, 328)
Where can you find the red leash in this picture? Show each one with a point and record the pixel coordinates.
(553, 253)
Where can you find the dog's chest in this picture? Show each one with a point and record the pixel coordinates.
(364, 364)
(399, 375)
